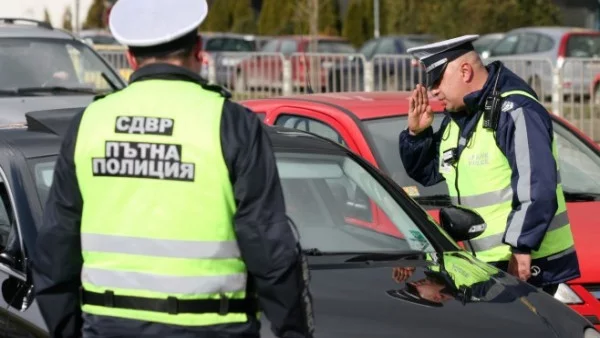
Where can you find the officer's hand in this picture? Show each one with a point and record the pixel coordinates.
(520, 266)
(420, 114)
(401, 274)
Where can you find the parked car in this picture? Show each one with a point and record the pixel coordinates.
(265, 70)
(98, 37)
(485, 41)
(42, 67)
(227, 50)
(532, 52)
(364, 283)
(393, 68)
(369, 124)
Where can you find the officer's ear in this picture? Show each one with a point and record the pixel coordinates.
(197, 51)
(133, 62)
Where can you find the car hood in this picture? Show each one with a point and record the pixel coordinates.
(364, 300)
(13, 109)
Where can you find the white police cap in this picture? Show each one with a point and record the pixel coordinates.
(436, 56)
(144, 23)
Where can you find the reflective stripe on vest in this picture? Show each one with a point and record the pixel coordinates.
(158, 213)
(481, 180)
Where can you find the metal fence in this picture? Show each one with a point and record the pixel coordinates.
(567, 87)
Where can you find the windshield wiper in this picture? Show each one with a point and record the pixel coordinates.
(581, 196)
(55, 89)
(365, 256)
(13, 92)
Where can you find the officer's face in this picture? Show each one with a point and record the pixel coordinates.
(431, 291)
(453, 86)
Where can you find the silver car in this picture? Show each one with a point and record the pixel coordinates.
(532, 52)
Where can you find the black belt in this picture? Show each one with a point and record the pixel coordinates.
(170, 305)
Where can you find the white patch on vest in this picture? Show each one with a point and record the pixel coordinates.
(479, 159)
(507, 105)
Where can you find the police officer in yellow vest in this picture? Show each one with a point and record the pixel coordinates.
(166, 207)
(495, 150)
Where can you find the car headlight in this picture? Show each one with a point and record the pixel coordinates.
(591, 333)
(566, 295)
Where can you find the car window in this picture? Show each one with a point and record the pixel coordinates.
(579, 166)
(315, 186)
(546, 43)
(102, 39)
(583, 46)
(387, 46)
(6, 218)
(229, 45)
(324, 46)
(270, 47)
(506, 46)
(43, 170)
(384, 133)
(38, 63)
(527, 43)
(310, 125)
(368, 48)
(288, 47)
(416, 42)
(214, 44)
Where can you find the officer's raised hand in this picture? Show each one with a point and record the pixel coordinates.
(420, 114)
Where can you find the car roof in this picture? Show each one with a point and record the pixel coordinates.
(211, 35)
(363, 105)
(553, 30)
(26, 28)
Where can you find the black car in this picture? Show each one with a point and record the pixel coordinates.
(404, 277)
(44, 67)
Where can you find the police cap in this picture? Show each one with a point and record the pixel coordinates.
(153, 25)
(436, 56)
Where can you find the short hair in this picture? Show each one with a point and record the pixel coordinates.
(178, 48)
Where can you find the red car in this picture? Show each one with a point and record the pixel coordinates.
(370, 123)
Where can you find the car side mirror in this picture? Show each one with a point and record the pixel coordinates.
(461, 224)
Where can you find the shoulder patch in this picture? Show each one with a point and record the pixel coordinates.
(507, 105)
(218, 89)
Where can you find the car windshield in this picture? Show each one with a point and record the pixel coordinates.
(579, 165)
(230, 45)
(335, 47)
(34, 63)
(336, 205)
(417, 42)
(583, 46)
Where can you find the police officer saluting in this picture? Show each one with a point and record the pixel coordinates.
(183, 232)
(495, 149)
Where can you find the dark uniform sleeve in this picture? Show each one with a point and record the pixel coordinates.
(267, 242)
(419, 154)
(525, 136)
(57, 258)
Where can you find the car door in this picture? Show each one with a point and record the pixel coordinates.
(17, 298)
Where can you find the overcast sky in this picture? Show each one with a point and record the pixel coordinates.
(34, 9)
